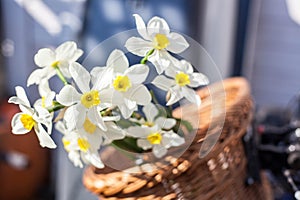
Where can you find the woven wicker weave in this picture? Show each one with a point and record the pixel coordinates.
(218, 175)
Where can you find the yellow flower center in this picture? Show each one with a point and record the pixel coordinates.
(149, 124)
(89, 127)
(83, 144)
(161, 41)
(27, 121)
(90, 99)
(66, 144)
(154, 138)
(182, 79)
(122, 83)
(55, 64)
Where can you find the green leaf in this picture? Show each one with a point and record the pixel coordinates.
(187, 125)
(128, 144)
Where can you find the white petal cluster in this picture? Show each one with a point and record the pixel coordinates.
(83, 144)
(47, 95)
(158, 38)
(31, 118)
(126, 85)
(155, 132)
(86, 103)
(179, 82)
(94, 105)
(47, 59)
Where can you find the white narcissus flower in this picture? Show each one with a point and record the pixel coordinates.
(47, 60)
(182, 82)
(157, 38)
(155, 138)
(126, 84)
(75, 158)
(89, 103)
(151, 113)
(112, 133)
(31, 118)
(81, 146)
(47, 96)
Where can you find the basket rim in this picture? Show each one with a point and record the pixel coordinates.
(240, 84)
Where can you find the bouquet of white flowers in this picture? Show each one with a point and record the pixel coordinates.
(110, 105)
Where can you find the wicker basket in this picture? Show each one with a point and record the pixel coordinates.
(218, 175)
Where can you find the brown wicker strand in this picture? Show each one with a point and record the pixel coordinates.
(218, 175)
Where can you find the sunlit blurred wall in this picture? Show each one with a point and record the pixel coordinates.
(272, 62)
(218, 31)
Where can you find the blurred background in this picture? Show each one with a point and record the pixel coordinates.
(257, 39)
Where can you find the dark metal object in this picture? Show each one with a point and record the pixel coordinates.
(273, 143)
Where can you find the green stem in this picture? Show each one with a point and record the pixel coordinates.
(60, 75)
(170, 111)
(136, 115)
(56, 108)
(106, 112)
(145, 59)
